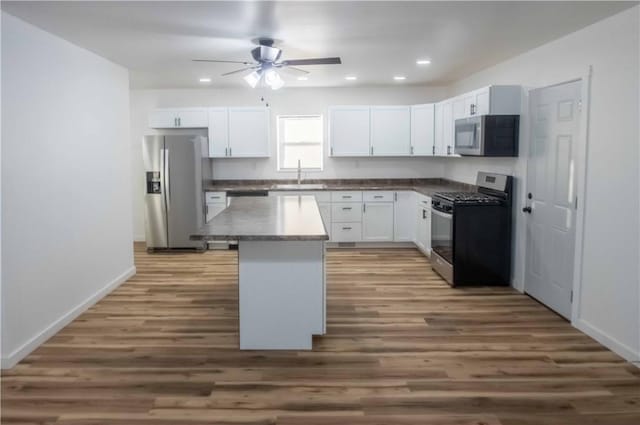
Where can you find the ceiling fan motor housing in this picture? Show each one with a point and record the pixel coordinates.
(266, 54)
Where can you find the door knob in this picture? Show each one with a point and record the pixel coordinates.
(527, 210)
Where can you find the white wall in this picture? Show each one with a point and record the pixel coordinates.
(286, 101)
(66, 179)
(609, 300)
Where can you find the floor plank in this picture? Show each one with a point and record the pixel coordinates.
(402, 348)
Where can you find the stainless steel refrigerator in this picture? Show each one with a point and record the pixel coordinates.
(175, 169)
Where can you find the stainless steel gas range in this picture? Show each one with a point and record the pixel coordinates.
(471, 233)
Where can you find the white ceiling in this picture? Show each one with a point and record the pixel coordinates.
(376, 40)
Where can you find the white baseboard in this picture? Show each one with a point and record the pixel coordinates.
(613, 344)
(20, 353)
(139, 238)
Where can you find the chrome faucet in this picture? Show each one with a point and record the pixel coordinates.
(299, 173)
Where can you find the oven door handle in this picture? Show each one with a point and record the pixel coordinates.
(441, 214)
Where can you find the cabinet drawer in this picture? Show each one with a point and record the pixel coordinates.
(346, 232)
(378, 196)
(346, 196)
(346, 212)
(215, 197)
(424, 201)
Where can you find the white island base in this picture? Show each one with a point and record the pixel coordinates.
(282, 293)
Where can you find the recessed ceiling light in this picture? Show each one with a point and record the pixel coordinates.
(303, 78)
(205, 80)
(423, 62)
(351, 77)
(399, 77)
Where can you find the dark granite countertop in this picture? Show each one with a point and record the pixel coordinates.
(424, 186)
(274, 218)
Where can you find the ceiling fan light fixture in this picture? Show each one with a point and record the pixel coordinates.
(273, 79)
(423, 62)
(254, 78)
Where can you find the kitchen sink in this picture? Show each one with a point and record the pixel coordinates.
(302, 186)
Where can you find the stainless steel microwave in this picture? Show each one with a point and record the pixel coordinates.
(487, 135)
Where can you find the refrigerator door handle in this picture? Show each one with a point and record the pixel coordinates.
(167, 176)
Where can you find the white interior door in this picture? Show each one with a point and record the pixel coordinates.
(551, 195)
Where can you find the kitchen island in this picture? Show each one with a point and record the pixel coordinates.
(281, 268)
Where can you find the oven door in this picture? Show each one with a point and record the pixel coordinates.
(468, 136)
(442, 234)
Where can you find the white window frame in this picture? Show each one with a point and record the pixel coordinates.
(280, 143)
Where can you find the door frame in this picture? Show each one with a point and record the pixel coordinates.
(581, 187)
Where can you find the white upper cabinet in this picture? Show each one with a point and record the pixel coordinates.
(349, 130)
(444, 130)
(238, 132)
(179, 118)
(218, 132)
(248, 132)
(390, 130)
(423, 130)
(491, 100)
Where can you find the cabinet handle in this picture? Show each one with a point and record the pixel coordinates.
(411, 150)
(346, 228)
(179, 122)
(371, 150)
(347, 208)
(378, 196)
(424, 213)
(331, 150)
(230, 153)
(364, 208)
(346, 196)
(175, 122)
(449, 150)
(225, 151)
(433, 150)
(395, 196)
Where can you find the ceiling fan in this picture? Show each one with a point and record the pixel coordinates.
(266, 64)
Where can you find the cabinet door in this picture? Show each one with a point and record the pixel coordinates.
(349, 130)
(422, 129)
(213, 210)
(423, 230)
(447, 128)
(390, 130)
(461, 106)
(193, 118)
(438, 130)
(481, 102)
(218, 132)
(377, 222)
(248, 132)
(163, 118)
(404, 224)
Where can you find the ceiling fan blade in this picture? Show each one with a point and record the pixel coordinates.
(293, 68)
(315, 61)
(239, 70)
(217, 61)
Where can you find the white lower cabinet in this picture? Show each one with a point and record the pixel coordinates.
(404, 228)
(346, 232)
(377, 222)
(215, 202)
(423, 224)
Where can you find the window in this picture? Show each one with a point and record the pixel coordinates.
(299, 138)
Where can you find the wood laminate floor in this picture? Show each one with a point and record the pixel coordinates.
(402, 348)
